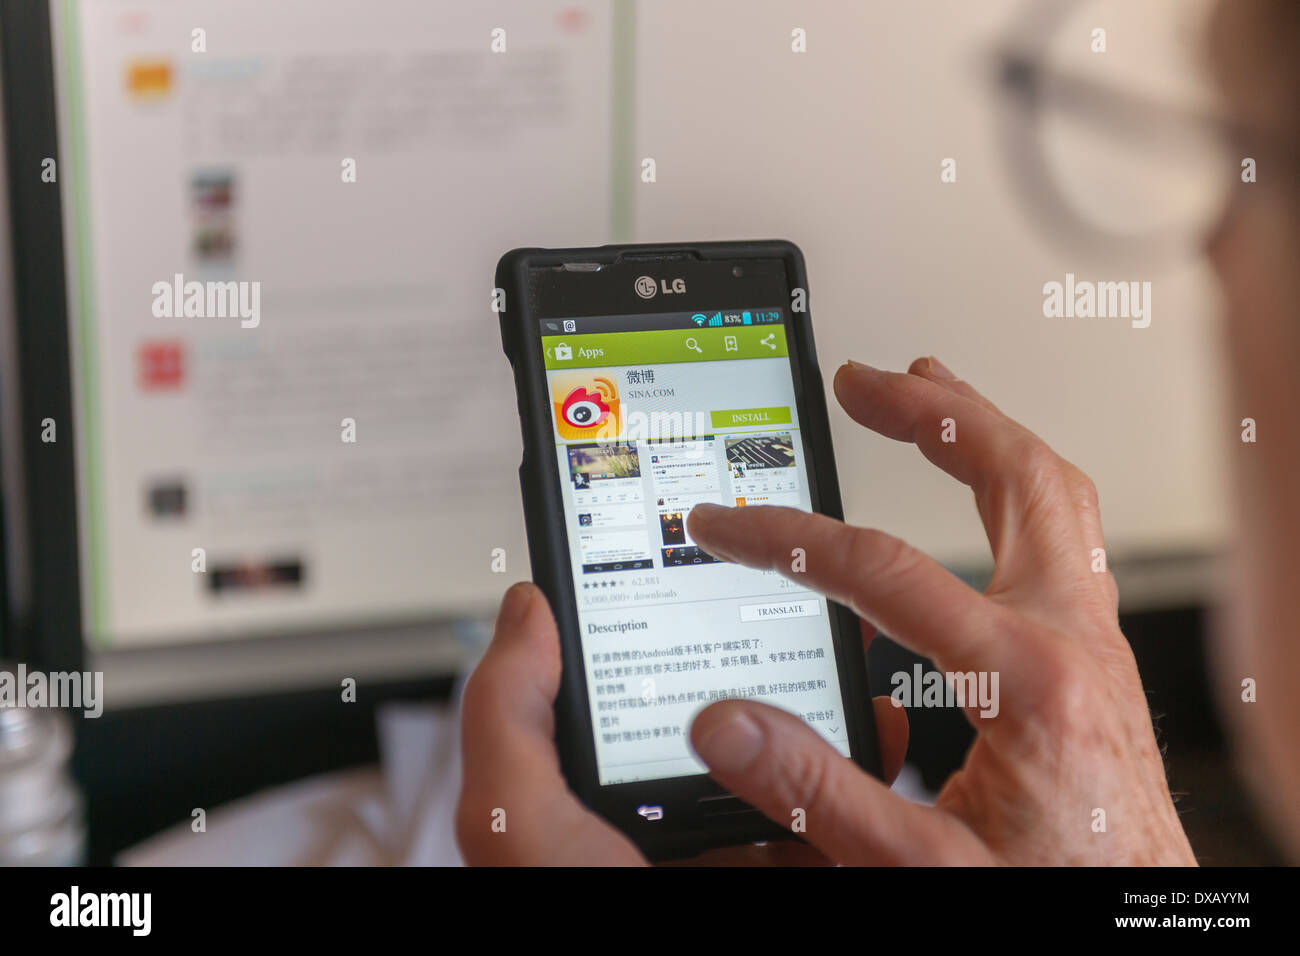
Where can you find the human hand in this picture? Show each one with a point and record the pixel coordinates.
(511, 764)
(1072, 734)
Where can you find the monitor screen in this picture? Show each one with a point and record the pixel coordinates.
(280, 223)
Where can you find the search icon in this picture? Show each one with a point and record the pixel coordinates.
(692, 343)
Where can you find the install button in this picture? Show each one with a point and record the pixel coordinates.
(750, 417)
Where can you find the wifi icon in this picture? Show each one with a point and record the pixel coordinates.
(699, 318)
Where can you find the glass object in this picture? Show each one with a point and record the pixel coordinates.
(1116, 141)
(41, 810)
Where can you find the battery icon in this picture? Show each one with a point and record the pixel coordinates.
(745, 317)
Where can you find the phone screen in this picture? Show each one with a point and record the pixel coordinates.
(654, 414)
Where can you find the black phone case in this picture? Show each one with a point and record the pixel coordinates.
(685, 834)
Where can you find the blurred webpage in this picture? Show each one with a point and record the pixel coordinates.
(346, 452)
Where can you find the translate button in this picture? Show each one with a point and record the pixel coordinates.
(776, 610)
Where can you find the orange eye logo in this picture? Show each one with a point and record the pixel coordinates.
(585, 407)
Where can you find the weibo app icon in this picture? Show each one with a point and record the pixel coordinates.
(586, 407)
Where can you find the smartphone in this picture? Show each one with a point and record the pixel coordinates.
(651, 378)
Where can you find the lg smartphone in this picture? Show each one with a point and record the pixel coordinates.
(651, 378)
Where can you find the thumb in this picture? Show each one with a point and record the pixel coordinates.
(780, 765)
(515, 806)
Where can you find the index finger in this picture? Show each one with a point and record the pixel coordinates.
(904, 592)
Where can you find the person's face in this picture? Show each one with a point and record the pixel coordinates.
(1256, 253)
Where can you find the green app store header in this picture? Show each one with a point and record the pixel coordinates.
(661, 347)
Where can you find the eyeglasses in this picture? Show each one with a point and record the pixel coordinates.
(1119, 173)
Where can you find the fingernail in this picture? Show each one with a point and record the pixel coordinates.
(514, 605)
(856, 365)
(732, 745)
(939, 370)
(707, 508)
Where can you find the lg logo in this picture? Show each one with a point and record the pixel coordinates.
(646, 287)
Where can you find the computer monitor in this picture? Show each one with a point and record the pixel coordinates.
(268, 432)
